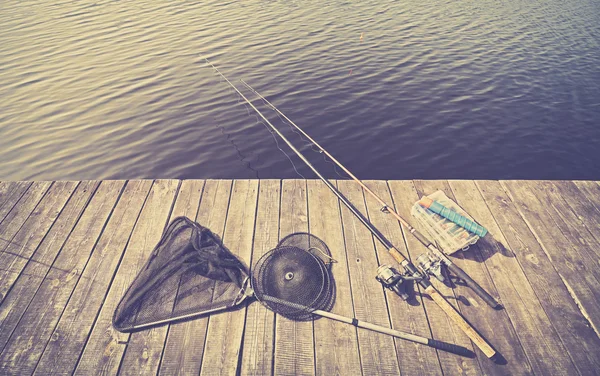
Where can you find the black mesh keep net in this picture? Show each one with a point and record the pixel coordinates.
(189, 272)
(295, 278)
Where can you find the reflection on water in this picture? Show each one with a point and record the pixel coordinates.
(395, 90)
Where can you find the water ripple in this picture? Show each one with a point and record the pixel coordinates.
(435, 89)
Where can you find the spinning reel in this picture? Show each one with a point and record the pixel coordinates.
(390, 278)
(430, 264)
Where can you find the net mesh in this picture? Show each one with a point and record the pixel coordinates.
(189, 272)
(309, 243)
(293, 279)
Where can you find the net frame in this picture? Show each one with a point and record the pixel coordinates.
(282, 295)
(188, 259)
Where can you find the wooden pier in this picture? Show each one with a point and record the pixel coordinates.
(69, 250)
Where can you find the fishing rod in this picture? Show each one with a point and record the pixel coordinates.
(439, 255)
(410, 268)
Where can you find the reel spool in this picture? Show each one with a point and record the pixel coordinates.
(432, 265)
(393, 280)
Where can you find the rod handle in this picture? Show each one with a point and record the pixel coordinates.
(451, 348)
(484, 295)
(400, 259)
(477, 339)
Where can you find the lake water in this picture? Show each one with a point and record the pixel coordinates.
(393, 89)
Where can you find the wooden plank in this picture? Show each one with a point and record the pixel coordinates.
(584, 199)
(494, 325)
(258, 349)
(17, 216)
(185, 342)
(24, 288)
(578, 337)
(539, 339)
(28, 340)
(591, 189)
(70, 335)
(336, 344)
(410, 316)
(377, 351)
(225, 330)
(404, 195)
(294, 343)
(10, 193)
(568, 222)
(579, 217)
(15, 255)
(6, 187)
(577, 273)
(105, 346)
(145, 347)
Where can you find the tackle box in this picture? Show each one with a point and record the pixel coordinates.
(447, 235)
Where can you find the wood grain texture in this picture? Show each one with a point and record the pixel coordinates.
(15, 255)
(257, 357)
(22, 209)
(571, 223)
(567, 221)
(377, 351)
(336, 344)
(105, 346)
(294, 342)
(591, 189)
(408, 317)
(70, 252)
(578, 337)
(575, 270)
(585, 203)
(539, 339)
(186, 341)
(24, 288)
(494, 325)
(29, 338)
(225, 330)
(145, 347)
(404, 195)
(10, 193)
(70, 335)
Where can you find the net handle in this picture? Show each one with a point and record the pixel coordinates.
(235, 303)
(449, 347)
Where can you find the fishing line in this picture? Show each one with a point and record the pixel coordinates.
(242, 158)
(305, 141)
(240, 100)
(312, 147)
